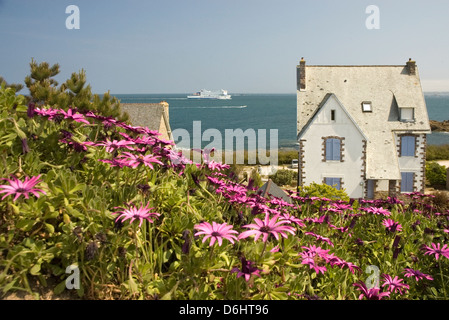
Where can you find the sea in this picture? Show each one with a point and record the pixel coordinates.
(272, 112)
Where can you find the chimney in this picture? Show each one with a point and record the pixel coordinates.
(165, 105)
(411, 65)
(301, 75)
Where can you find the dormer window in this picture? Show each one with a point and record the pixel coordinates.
(367, 106)
(407, 114)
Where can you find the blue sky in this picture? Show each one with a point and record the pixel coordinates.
(244, 46)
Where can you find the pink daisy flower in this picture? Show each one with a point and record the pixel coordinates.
(408, 272)
(216, 232)
(370, 294)
(320, 238)
(391, 225)
(314, 262)
(394, 285)
(113, 145)
(378, 211)
(268, 226)
(293, 219)
(133, 161)
(133, 213)
(18, 188)
(212, 165)
(437, 250)
(77, 117)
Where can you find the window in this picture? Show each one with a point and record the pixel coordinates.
(333, 149)
(407, 114)
(366, 106)
(333, 115)
(408, 146)
(333, 182)
(407, 181)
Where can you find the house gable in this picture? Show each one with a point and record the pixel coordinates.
(331, 112)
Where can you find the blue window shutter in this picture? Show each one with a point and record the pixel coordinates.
(336, 149)
(333, 182)
(328, 149)
(333, 149)
(407, 181)
(337, 183)
(408, 146)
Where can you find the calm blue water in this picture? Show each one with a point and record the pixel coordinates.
(258, 111)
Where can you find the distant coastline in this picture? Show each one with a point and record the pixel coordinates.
(439, 126)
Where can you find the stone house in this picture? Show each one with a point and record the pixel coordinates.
(155, 116)
(362, 128)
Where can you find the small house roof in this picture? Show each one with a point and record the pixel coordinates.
(270, 188)
(151, 115)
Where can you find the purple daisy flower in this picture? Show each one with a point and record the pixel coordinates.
(18, 188)
(216, 232)
(247, 270)
(264, 228)
(142, 213)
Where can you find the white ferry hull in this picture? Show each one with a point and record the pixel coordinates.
(206, 94)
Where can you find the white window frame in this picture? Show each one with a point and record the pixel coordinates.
(367, 106)
(408, 119)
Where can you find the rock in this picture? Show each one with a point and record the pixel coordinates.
(439, 126)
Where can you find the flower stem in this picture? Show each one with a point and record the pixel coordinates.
(442, 282)
(263, 250)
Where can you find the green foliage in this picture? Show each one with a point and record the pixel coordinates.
(257, 180)
(437, 152)
(435, 174)
(283, 177)
(323, 191)
(74, 93)
(15, 86)
(286, 156)
(75, 224)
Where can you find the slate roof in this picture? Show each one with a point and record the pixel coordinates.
(388, 88)
(270, 188)
(151, 115)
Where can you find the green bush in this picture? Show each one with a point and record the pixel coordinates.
(323, 191)
(435, 174)
(283, 177)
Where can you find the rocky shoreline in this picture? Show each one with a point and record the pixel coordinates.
(439, 126)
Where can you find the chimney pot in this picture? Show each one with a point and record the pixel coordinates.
(411, 65)
(301, 75)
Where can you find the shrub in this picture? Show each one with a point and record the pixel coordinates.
(435, 174)
(323, 191)
(440, 201)
(283, 177)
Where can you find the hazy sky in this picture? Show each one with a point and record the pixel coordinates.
(244, 46)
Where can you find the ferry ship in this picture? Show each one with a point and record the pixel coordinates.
(207, 94)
